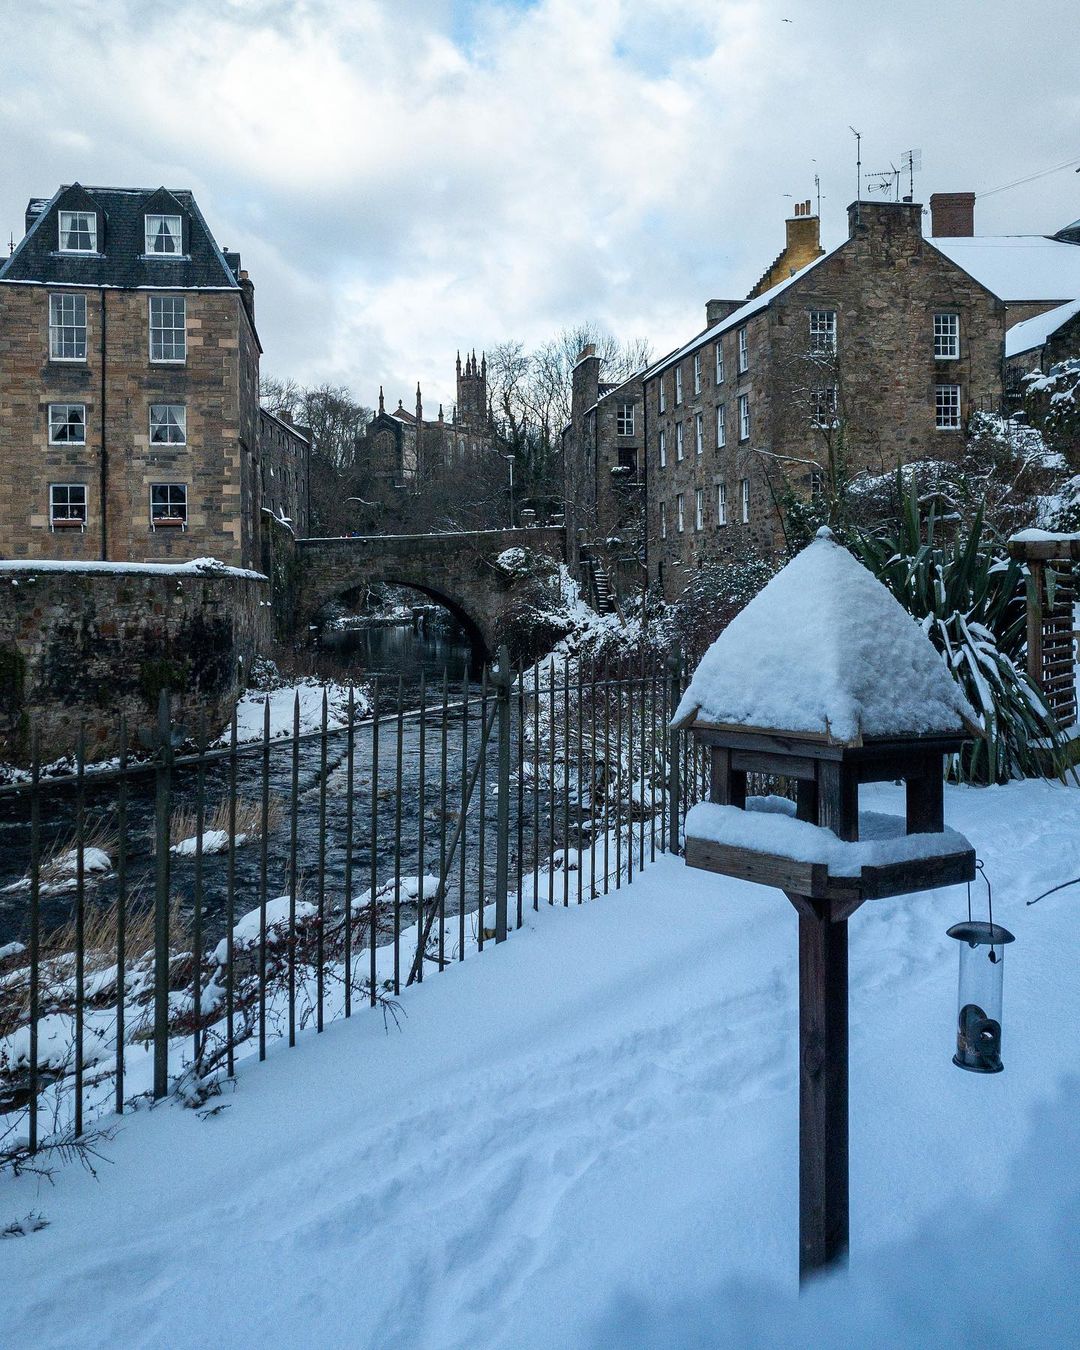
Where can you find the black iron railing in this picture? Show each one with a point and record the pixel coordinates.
(166, 916)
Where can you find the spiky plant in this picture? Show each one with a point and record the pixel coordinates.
(968, 595)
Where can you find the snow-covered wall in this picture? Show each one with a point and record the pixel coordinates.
(84, 644)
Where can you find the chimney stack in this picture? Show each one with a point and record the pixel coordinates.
(247, 290)
(716, 310)
(952, 215)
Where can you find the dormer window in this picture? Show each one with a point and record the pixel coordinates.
(163, 235)
(78, 232)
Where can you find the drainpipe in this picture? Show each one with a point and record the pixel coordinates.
(103, 489)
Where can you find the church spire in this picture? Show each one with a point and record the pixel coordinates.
(382, 406)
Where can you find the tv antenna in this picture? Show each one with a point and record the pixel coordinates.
(884, 180)
(912, 161)
(858, 172)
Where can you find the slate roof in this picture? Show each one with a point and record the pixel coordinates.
(120, 260)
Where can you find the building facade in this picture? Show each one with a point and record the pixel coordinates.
(873, 354)
(285, 471)
(398, 449)
(130, 427)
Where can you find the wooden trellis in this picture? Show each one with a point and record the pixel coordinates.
(1051, 626)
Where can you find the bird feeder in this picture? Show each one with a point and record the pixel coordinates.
(982, 971)
(826, 681)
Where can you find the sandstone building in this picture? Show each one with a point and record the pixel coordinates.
(399, 449)
(871, 354)
(130, 427)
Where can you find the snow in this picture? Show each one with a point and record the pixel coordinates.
(197, 567)
(768, 825)
(825, 649)
(1018, 266)
(1032, 333)
(247, 931)
(213, 841)
(62, 872)
(309, 693)
(587, 1137)
(1042, 537)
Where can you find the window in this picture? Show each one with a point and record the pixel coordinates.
(168, 328)
(168, 424)
(699, 509)
(678, 385)
(663, 520)
(946, 337)
(719, 363)
(721, 426)
(679, 512)
(823, 330)
(663, 395)
(624, 419)
(948, 407)
(744, 417)
(697, 373)
(721, 503)
(67, 327)
(663, 450)
(168, 506)
(67, 506)
(163, 234)
(78, 232)
(817, 484)
(744, 499)
(823, 407)
(744, 351)
(678, 441)
(699, 433)
(67, 423)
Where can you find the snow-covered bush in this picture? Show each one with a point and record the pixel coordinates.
(970, 599)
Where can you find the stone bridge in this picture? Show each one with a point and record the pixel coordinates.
(458, 571)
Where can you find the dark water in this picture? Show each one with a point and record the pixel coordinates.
(426, 756)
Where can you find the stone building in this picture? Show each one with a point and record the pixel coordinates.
(398, 449)
(873, 353)
(130, 427)
(285, 471)
(604, 467)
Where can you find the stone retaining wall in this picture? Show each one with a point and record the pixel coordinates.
(84, 645)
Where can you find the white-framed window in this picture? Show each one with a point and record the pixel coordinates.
(663, 520)
(663, 395)
(947, 404)
(721, 504)
(624, 419)
(823, 330)
(679, 517)
(744, 499)
(678, 442)
(663, 449)
(946, 337)
(823, 407)
(67, 506)
(744, 417)
(699, 508)
(678, 385)
(719, 362)
(168, 328)
(67, 327)
(699, 433)
(721, 426)
(168, 424)
(168, 506)
(67, 423)
(78, 232)
(697, 372)
(744, 351)
(164, 234)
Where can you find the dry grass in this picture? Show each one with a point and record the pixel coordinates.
(183, 824)
(99, 932)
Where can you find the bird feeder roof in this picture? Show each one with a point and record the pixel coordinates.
(826, 652)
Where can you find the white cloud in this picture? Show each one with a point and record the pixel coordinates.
(404, 179)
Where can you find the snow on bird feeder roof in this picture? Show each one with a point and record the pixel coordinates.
(826, 652)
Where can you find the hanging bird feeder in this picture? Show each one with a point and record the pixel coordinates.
(982, 971)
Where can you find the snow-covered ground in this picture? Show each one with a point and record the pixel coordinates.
(588, 1137)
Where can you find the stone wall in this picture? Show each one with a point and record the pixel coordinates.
(89, 645)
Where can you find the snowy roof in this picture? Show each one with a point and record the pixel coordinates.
(201, 567)
(827, 652)
(1032, 333)
(737, 316)
(1018, 266)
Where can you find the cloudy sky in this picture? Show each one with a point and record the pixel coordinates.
(404, 177)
